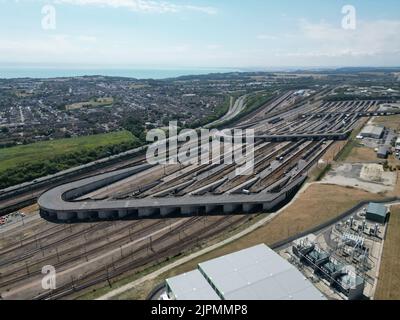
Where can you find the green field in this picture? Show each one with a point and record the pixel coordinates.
(12, 157)
(26, 162)
(97, 102)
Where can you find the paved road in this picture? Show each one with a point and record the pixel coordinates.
(234, 110)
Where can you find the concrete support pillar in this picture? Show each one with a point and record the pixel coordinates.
(105, 214)
(164, 211)
(132, 212)
(267, 206)
(146, 212)
(83, 215)
(65, 216)
(188, 210)
(211, 208)
(232, 208)
(249, 207)
(51, 214)
(93, 215)
(122, 213)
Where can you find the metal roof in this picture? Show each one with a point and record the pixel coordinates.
(389, 139)
(383, 150)
(258, 273)
(191, 286)
(372, 130)
(377, 209)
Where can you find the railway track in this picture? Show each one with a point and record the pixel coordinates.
(124, 264)
(25, 272)
(31, 252)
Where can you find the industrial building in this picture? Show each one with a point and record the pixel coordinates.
(373, 132)
(398, 144)
(383, 152)
(256, 273)
(377, 212)
(341, 278)
(190, 286)
(390, 138)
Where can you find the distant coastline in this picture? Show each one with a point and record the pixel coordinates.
(47, 72)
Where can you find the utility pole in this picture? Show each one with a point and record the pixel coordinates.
(72, 283)
(108, 276)
(151, 243)
(84, 248)
(27, 268)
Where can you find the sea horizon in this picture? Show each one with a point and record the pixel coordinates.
(14, 72)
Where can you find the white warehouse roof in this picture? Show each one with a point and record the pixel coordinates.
(191, 286)
(257, 273)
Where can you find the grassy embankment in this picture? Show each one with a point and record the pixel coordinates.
(27, 162)
(389, 276)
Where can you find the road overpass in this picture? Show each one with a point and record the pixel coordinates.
(58, 204)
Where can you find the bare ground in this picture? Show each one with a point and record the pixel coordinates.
(362, 154)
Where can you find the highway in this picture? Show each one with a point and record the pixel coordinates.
(234, 110)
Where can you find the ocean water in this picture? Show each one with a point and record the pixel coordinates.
(45, 72)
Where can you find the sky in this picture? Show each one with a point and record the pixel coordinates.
(200, 33)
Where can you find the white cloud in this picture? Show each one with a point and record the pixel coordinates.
(88, 39)
(150, 6)
(47, 47)
(207, 10)
(370, 38)
(214, 46)
(266, 37)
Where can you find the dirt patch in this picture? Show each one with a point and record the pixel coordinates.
(31, 209)
(315, 205)
(389, 276)
(376, 173)
(369, 177)
(396, 191)
(362, 154)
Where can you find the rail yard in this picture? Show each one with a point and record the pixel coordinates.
(129, 215)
